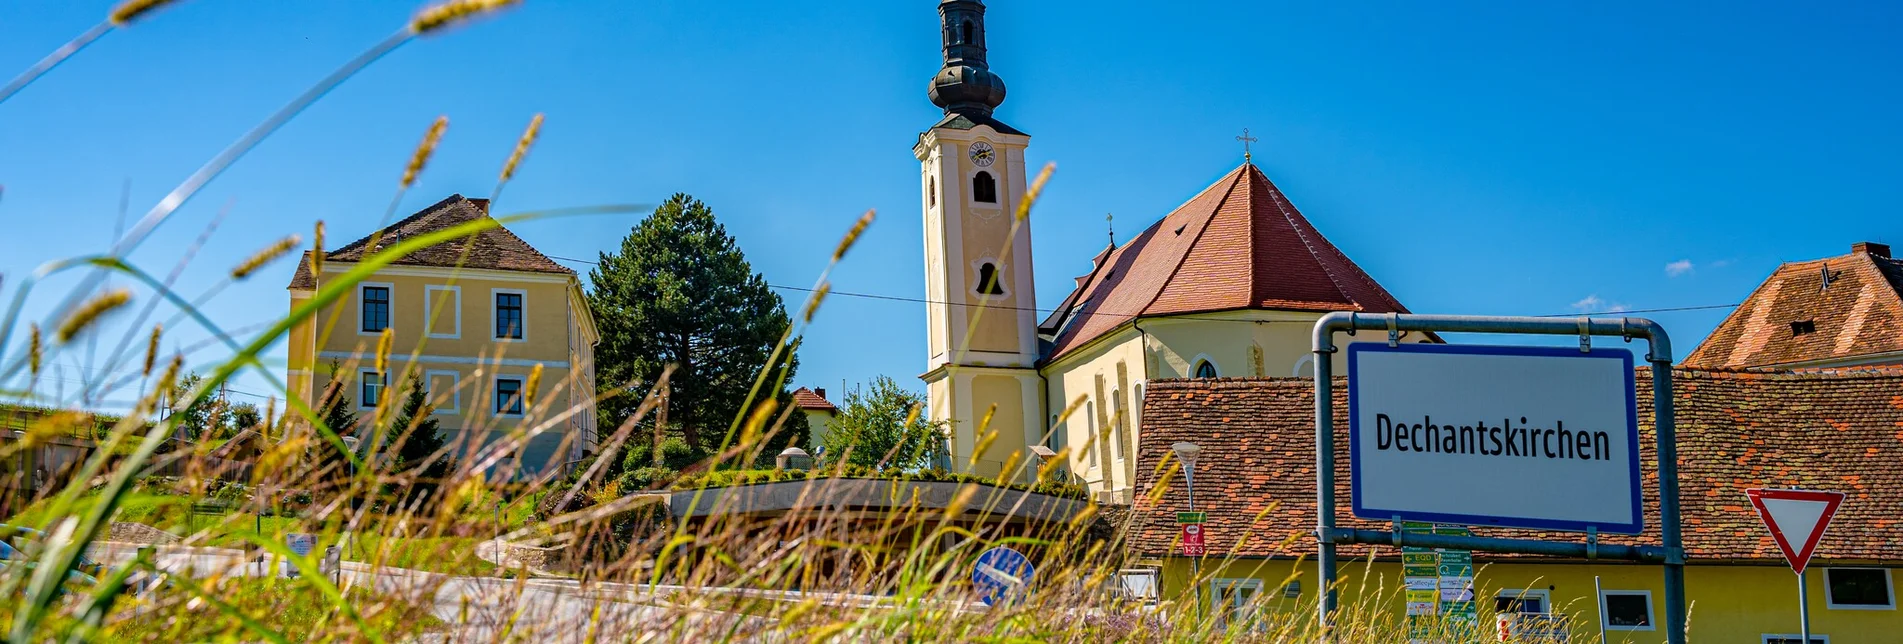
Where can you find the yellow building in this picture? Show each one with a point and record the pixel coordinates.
(1817, 430)
(471, 320)
(1229, 284)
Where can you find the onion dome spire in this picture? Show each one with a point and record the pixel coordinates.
(965, 85)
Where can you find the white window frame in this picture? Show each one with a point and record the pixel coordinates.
(522, 382)
(1888, 583)
(492, 314)
(455, 305)
(1198, 361)
(390, 317)
(1091, 444)
(1766, 638)
(1215, 590)
(1546, 598)
(1651, 616)
(456, 390)
(364, 376)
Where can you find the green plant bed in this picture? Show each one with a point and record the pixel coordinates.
(730, 478)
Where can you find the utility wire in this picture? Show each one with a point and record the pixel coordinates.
(1003, 307)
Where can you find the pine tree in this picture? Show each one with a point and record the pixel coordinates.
(341, 421)
(418, 438)
(679, 291)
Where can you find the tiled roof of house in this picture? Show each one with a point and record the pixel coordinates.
(1238, 245)
(1795, 318)
(495, 248)
(1831, 430)
(808, 399)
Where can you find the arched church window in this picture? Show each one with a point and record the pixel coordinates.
(988, 280)
(984, 189)
(965, 33)
(1206, 369)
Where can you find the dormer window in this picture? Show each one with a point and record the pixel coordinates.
(984, 189)
(1803, 327)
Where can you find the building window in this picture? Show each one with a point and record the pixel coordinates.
(370, 387)
(988, 280)
(931, 191)
(1234, 601)
(1858, 589)
(984, 189)
(508, 397)
(441, 391)
(1803, 327)
(442, 311)
(1206, 369)
(1522, 601)
(965, 33)
(1116, 424)
(1626, 610)
(376, 309)
(509, 315)
(1090, 440)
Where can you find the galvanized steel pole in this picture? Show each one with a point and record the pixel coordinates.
(1325, 473)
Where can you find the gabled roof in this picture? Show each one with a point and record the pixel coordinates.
(494, 249)
(807, 399)
(1859, 313)
(1238, 245)
(1812, 429)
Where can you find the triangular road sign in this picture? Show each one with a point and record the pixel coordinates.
(1797, 519)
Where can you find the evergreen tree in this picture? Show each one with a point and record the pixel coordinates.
(245, 416)
(872, 425)
(679, 291)
(341, 421)
(418, 438)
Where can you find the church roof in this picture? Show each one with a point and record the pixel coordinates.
(495, 248)
(1238, 245)
(1797, 316)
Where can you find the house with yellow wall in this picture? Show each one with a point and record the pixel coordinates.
(472, 319)
(1827, 430)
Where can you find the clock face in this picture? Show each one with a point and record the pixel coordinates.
(982, 154)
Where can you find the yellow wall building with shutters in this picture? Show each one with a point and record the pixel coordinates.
(451, 332)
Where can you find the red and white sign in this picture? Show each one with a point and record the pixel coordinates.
(1797, 519)
(1193, 540)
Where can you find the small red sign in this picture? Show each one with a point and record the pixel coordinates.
(1193, 540)
(1797, 519)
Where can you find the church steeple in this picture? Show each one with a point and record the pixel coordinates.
(965, 85)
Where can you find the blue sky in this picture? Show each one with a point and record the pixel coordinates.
(1489, 158)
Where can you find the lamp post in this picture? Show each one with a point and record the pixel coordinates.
(1187, 453)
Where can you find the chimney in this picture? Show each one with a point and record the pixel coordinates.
(1870, 248)
(820, 392)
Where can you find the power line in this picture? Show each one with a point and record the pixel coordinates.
(1002, 307)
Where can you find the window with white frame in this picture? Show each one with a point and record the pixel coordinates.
(373, 307)
(1206, 368)
(1794, 638)
(441, 391)
(508, 397)
(1140, 584)
(443, 311)
(510, 324)
(1531, 600)
(369, 389)
(1234, 601)
(1858, 589)
(1626, 610)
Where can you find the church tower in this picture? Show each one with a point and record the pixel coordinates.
(982, 337)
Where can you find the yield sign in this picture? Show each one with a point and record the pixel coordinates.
(1797, 519)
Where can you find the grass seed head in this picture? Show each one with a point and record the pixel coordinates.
(317, 250)
(446, 14)
(33, 349)
(131, 10)
(528, 389)
(265, 256)
(1037, 188)
(387, 338)
(812, 304)
(152, 349)
(424, 149)
(852, 236)
(522, 147)
(90, 312)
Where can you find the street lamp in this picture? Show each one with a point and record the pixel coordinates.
(1187, 453)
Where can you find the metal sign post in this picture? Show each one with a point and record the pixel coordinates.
(1605, 450)
(1797, 520)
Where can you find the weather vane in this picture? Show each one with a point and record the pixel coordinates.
(1246, 140)
(1110, 223)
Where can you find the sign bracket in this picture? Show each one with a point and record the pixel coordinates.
(1670, 553)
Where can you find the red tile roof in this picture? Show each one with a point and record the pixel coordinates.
(1238, 245)
(1832, 430)
(807, 399)
(495, 248)
(1859, 314)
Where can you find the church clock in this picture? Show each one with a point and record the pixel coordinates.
(982, 154)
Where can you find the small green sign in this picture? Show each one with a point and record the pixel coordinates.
(1185, 518)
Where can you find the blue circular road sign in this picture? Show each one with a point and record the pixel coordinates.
(1002, 575)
